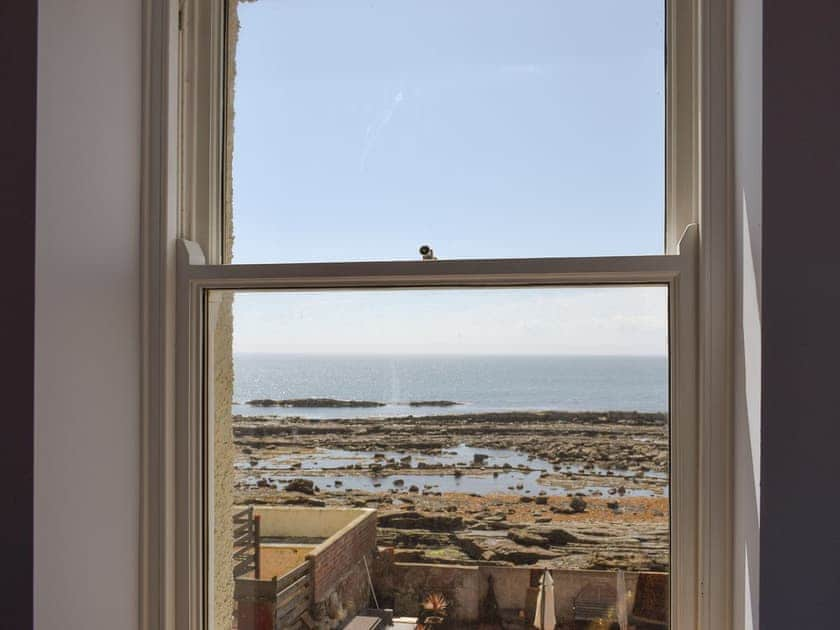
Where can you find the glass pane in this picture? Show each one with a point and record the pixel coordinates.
(388, 450)
(485, 129)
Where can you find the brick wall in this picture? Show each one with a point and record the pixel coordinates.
(341, 555)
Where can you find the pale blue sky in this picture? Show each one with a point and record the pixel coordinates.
(484, 128)
(591, 321)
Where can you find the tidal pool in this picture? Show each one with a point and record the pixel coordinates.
(526, 483)
(323, 459)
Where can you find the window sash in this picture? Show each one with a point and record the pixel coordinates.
(206, 68)
(196, 308)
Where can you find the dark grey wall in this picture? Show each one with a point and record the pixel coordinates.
(800, 461)
(18, 66)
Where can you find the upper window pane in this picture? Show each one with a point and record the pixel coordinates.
(486, 129)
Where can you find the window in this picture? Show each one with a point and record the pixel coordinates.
(282, 452)
(487, 129)
(506, 233)
(459, 436)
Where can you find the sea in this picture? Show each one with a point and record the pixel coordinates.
(479, 384)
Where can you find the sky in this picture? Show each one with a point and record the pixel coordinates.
(629, 321)
(483, 128)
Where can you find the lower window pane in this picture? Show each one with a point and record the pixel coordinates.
(451, 458)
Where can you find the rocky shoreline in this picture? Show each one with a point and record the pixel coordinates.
(560, 489)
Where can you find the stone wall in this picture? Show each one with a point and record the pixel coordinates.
(404, 585)
(461, 586)
(223, 386)
(223, 471)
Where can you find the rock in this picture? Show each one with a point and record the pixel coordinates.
(567, 441)
(413, 538)
(432, 403)
(413, 489)
(528, 538)
(526, 499)
(577, 505)
(480, 458)
(487, 526)
(555, 534)
(304, 486)
(410, 519)
(313, 402)
(622, 490)
(338, 483)
(408, 555)
(509, 551)
(399, 483)
(308, 501)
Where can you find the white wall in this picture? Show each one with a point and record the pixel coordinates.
(748, 149)
(87, 315)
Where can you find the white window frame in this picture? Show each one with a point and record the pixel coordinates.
(181, 244)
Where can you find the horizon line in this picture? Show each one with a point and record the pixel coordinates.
(450, 354)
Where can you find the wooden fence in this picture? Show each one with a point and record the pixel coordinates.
(294, 598)
(279, 603)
